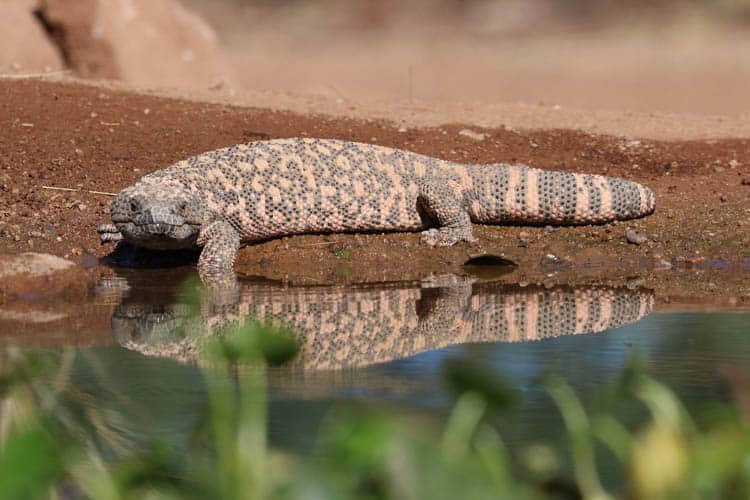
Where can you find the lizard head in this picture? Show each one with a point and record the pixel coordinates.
(158, 216)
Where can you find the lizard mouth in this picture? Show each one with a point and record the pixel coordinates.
(157, 228)
(137, 323)
(160, 235)
(160, 228)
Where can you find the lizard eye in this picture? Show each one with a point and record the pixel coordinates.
(133, 206)
(183, 206)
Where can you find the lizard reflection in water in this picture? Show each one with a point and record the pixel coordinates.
(343, 326)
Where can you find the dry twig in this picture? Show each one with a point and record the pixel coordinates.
(55, 188)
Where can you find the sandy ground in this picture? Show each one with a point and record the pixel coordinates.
(100, 138)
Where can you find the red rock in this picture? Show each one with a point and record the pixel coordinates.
(25, 46)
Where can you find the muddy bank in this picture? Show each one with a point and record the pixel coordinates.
(97, 140)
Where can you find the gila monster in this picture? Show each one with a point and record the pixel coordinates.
(343, 326)
(251, 192)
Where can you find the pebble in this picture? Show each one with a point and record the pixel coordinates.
(634, 283)
(635, 238)
(477, 136)
(663, 264)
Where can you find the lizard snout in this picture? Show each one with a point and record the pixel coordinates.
(158, 216)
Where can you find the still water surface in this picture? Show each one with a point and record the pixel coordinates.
(387, 345)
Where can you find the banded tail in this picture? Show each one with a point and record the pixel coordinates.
(523, 194)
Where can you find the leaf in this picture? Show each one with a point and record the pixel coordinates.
(29, 465)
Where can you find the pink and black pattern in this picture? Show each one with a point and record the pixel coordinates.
(252, 192)
(344, 326)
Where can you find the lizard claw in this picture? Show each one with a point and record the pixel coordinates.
(447, 280)
(446, 237)
(430, 237)
(108, 233)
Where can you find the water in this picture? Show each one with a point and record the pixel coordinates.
(386, 345)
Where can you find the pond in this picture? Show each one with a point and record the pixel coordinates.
(389, 346)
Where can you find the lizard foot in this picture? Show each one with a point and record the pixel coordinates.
(221, 288)
(447, 280)
(445, 237)
(108, 233)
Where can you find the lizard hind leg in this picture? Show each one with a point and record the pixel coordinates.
(447, 211)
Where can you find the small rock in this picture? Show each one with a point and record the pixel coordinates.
(663, 264)
(221, 83)
(723, 198)
(745, 181)
(29, 273)
(734, 164)
(30, 316)
(635, 238)
(477, 136)
(634, 283)
(402, 129)
(32, 264)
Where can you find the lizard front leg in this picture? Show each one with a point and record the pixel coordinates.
(447, 210)
(220, 242)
